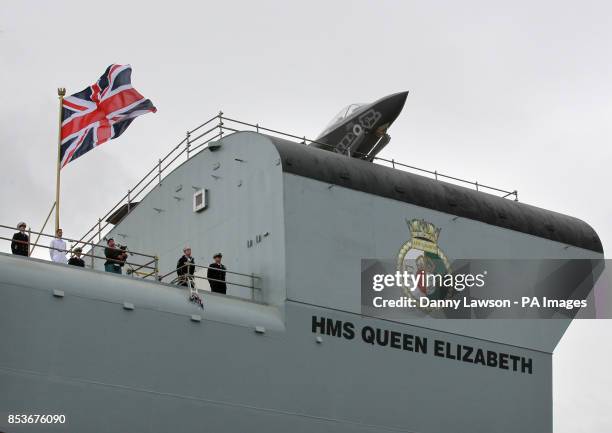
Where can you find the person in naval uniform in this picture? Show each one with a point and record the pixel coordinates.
(185, 267)
(21, 242)
(57, 250)
(216, 271)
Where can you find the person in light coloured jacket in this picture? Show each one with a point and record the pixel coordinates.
(57, 249)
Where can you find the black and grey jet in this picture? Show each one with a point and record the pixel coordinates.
(360, 130)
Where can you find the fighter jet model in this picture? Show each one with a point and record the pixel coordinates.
(360, 130)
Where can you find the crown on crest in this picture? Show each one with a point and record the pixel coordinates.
(424, 230)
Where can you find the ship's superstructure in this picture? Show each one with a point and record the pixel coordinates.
(288, 348)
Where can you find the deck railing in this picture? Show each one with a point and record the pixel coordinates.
(238, 279)
(213, 129)
(137, 264)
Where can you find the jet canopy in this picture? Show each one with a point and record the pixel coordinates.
(342, 115)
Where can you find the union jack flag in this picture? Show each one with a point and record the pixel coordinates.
(100, 112)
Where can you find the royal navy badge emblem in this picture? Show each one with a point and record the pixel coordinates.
(421, 256)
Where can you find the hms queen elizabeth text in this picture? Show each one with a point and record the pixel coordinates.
(437, 347)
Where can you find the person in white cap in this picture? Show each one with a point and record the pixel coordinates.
(20, 245)
(185, 268)
(57, 249)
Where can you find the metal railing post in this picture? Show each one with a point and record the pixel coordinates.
(252, 287)
(93, 249)
(129, 201)
(436, 174)
(188, 145)
(476, 183)
(159, 171)
(220, 125)
(156, 273)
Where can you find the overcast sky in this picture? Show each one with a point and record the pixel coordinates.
(517, 95)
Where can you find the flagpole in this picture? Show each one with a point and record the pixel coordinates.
(60, 93)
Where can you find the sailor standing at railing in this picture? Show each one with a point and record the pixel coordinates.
(76, 259)
(115, 257)
(57, 250)
(21, 242)
(185, 268)
(216, 275)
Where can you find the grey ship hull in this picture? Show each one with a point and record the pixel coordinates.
(72, 346)
(153, 369)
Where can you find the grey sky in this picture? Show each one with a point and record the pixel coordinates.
(512, 94)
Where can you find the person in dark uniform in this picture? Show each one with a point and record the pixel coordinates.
(20, 245)
(216, 271)
(185, 267)
(115, 257)
(76, 259)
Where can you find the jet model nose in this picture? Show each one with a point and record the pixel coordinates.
(395, 103)
(390, 106)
